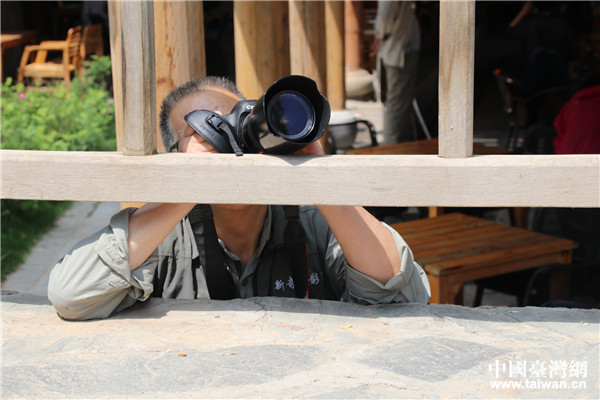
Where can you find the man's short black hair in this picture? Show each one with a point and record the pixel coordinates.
(168, 134)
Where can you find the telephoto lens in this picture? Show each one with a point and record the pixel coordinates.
(291, 114)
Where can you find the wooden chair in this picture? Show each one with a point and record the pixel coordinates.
(42, 67)
(92, 41)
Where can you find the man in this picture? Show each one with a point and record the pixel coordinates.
(548, 47)
(153, 250)
(397, 42)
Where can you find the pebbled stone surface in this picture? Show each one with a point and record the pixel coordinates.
(288, 348)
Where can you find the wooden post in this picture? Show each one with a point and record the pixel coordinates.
(308, 45)
(262, 45)
(334, 30)
(307, 41)
(135, 58)
(457, 44)
(353, 12)
(115, 54)
(179, 48)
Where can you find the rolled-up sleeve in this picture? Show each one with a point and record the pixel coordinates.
(408, 285)
(94, 279)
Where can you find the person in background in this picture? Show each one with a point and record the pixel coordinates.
(397, 44)
(548, 46)
(578, 123)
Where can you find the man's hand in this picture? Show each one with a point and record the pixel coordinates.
(375, 45)
(192, 142)
(314, 148)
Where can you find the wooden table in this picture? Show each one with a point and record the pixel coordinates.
(11, 39)
(455, 248)
(429, 146)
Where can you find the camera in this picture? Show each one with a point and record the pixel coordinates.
(291, 114)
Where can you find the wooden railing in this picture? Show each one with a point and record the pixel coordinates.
(454, 178)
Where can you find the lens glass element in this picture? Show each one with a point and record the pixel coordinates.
(290, 115)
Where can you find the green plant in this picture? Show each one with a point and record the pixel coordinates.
(50, 118)
(56, 119)
(24, 222)
(98, 71)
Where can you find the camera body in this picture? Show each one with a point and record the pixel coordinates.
(291, 114)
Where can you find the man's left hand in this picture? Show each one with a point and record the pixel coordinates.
(314, 148)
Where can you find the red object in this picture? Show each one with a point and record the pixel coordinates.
(578, 124)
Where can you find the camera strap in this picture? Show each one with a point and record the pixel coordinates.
(295, 243)
(219, 282)
(215, 130)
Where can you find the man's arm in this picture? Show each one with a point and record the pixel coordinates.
(94, 279)
(376, 252)
(367, 245)
(524, 12)
(380, 267)
(114, 268)
(151, 224)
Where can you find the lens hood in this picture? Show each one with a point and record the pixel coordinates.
(262, 132)
(307, 88)
(291, 114)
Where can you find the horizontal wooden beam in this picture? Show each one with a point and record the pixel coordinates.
(407, 180)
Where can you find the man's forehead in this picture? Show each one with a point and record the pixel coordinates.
(210, 99)
(215, 94)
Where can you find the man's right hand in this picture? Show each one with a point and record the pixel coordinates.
(375, 47)
(192, 142)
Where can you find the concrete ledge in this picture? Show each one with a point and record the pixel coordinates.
(282, 348)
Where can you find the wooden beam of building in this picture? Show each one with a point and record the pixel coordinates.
(115, 55)
(262, 45)
(353, 30)
(334, 32)
(308, 46)
(179, 48)
(415, 180)
(307, 41)
(132, 30)
(457, 49)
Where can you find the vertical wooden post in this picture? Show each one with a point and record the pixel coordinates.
(262, 45)
(135, 58)
(115, 55)
(307, 46)
(457, 49)
(179, 48)
(334, 31)
(352, 28)
(307, 41)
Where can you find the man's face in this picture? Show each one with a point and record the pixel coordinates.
(214, 99)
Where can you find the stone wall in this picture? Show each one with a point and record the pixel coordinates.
(282, 348)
